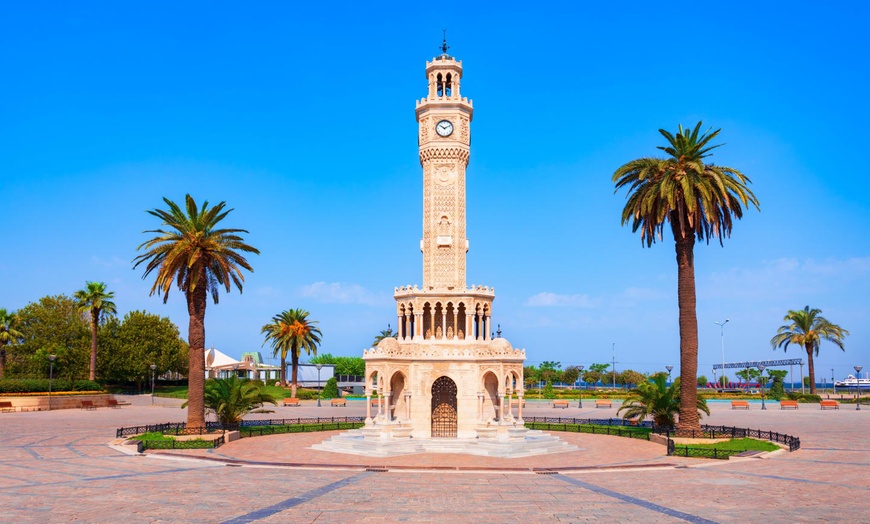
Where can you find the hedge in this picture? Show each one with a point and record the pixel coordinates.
(40, 385)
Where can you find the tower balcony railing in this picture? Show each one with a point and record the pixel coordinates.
(404, 291)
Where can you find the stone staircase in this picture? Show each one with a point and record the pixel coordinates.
(534, 443)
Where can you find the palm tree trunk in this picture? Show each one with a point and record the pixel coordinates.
(196, 302)
(294, 359)
(283, 370)
(689, 419)
(811, 369)
(2, 359)
(95, 320)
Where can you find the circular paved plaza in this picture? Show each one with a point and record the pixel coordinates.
(58, 467)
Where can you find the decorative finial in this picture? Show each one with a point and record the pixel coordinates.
(444, 46)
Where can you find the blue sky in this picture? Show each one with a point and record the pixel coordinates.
(301, 117)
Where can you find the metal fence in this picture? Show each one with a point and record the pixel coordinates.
(793, 443)
(182, 444)
(588, 421)
(180, 428)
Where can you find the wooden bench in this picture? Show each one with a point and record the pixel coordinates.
(88, 405)
(739, 404)
(338, 402)
(375, 402)
(788, 404)
(606, 403)
(291, 401)
(112, 403)
(560, 404)
(516, 402)
(829, 404)
(6, 406)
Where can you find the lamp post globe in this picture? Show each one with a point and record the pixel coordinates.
(580, 402)
(669, 368)
(319, 389)
(51, 359)
(858, 387)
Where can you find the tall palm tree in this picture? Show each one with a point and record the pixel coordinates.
(808, 328)
(95, 301)
(698, 200)
(657, 400)
(289, 333)
(199, 257)
(9, 335)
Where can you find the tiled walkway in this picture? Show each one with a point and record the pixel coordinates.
(56, 467)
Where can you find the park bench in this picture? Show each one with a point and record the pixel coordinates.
(6, 406)
(112, 403)
(739, 404)
(560, 404)
(606, 403)
(375, 402)
(88, 405)
(291, 401)
(788, 404)
(829, 404)
(516, 402)
(338, 402)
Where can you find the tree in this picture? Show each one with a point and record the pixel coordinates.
(702, 381)
(594, 373)
(571, 374)
(9, 335)
(698, 200)
(658, 400)
(330, 389)
(199, 256)
(630, 377)
(52, 325)
(95, 301)
(289, 333)
(777, 389)
(749, 374)
(808, 328)
(550, 371)
(230, 399)
(385, 333)
(355, 366)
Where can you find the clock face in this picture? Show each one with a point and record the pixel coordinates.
(444, 128)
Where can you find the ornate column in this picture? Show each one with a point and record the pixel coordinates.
(407, 405)
(443, 322)
(505, 406)
(418, 325)
(480, 398)
(368, 408)
(485, 322)
(387, 415)
(520, 400)
(400, 331)
(469, 326)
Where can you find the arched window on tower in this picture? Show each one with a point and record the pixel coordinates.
(439, 82)
(448, 85)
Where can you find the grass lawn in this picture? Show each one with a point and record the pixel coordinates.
(181, 392)
(740, 445)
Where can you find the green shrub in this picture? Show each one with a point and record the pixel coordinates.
(549, 393)
(306, 394)
(330, 390)
(40, 385)
(804, 397)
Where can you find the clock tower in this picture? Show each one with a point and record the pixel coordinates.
(445, 374)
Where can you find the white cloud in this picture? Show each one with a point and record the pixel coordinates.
(547, 299)
(341, 293)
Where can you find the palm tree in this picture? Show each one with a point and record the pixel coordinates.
(230, 399)
(95, 301)
(199, 258)
(808, 328)
(9, 335)
(655, 399)
(385, 333)
(697, 199)
(291, 332)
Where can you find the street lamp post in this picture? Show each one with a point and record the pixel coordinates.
(51, 359)
(761, 379)
(669, 368)
(715, 380)
(858, 387)
(153, 371)
(580, 403)
(802, 377)
(722, 336)
(319, 389)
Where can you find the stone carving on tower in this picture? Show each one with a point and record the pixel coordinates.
(444, 375)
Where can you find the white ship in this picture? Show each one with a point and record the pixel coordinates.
(852, 382)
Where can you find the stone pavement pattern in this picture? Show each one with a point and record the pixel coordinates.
(56, 467)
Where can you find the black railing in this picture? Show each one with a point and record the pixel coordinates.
(180, 428)
(793, 443)
(183, 444)
(588, 421)
(258, 431)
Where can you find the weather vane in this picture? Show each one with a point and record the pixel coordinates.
(444, 46)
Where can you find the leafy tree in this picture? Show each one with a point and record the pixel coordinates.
(702, 381)
(777, 389)
(699, 200)
(385, 333)
(53, 325)
(549, 393)
(343, 365)
(658, 400)
(749, 374)
(723, 381)
(9, 335)
(808, 328)
(330, 389)
(138, 341)
(95, 301)
(551, 371)
(230, 399)
(289, 333)
(571, 374)
(630, 377)
(200, 257)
